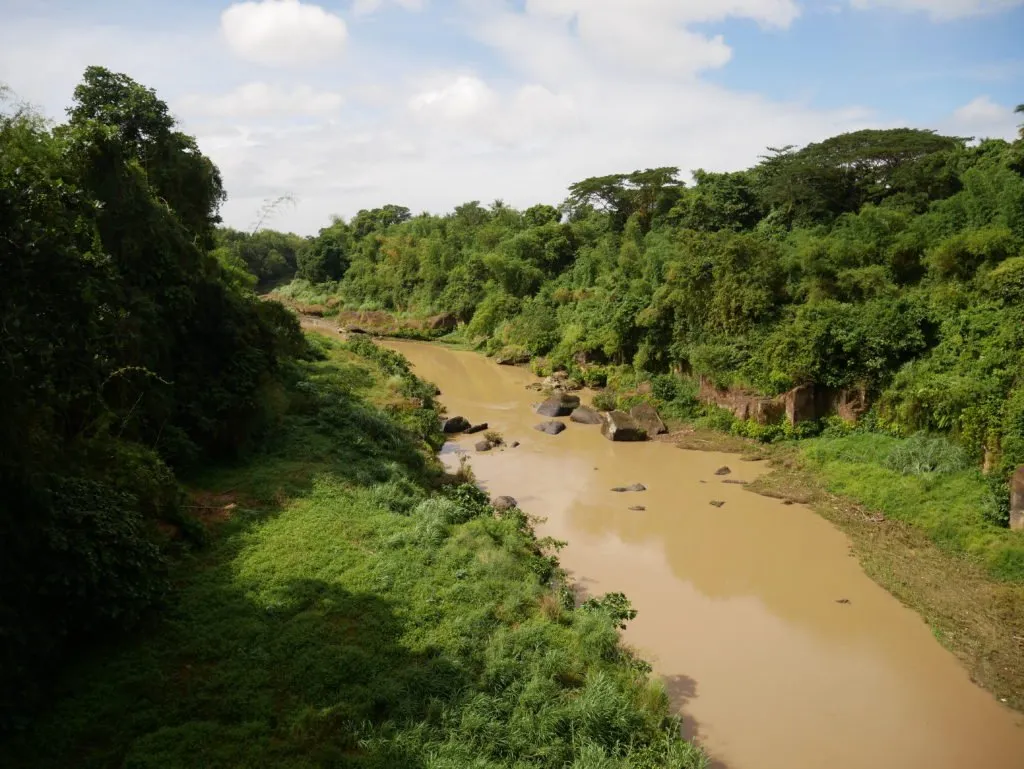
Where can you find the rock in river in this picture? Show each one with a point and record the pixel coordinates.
(619, 426)
(717, 503)
(634, 487)
(551, 428)
(558, 406)
(475, 429)
(501, 504)
(723, 471)
(645, 415)
(586, 416)
(454, 425)
(484, 446)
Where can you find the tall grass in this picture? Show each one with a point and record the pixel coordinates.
(355, 613)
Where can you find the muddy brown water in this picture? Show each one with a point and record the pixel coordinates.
(739, 607)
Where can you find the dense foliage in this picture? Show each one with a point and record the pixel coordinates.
(128, 354)
(887, 262)
(353, 613)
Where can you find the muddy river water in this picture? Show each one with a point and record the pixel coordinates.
(739, 606)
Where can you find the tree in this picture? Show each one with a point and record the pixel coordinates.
(643, 193)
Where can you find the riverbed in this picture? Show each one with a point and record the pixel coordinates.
(776, 648)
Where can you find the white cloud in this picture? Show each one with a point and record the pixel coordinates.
(283, 32)
(984, 119)
(264, 100)
(942, 10)
(366, 7)
(463, 98)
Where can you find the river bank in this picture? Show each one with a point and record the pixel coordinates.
(357, 608)
(757, 613)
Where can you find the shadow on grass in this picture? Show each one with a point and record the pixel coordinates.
(681, 691)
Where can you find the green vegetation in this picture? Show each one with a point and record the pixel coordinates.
(883, 264)
(353, 612)
(325, 595)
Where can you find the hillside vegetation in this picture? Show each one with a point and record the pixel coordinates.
(888, 264)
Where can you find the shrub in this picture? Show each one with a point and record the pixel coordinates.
(921, 454)
(604, 401)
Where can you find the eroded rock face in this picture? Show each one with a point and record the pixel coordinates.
(585, 415)
(645, 415)
(443, 322)
(559, 406)
(1017, 500)
(550, 428)
(454, 425)
(501, 504)
(619, 426)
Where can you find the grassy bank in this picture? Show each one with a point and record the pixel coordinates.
(355, 608)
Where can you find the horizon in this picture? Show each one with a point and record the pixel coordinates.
(353, 105)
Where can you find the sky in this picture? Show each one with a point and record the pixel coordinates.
(342, 105)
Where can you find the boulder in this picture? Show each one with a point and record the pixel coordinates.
(645, 415)
(475, 429)
(586, 416)
(723, 471)
(619, 426)
(501, 504)
(633, 487)
(484, 446)
(1017, 500)
(551, 428)
(454, 425)
(558, 406)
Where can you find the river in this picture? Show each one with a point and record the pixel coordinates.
(739, 606)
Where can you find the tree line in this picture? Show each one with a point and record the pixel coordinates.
(886, 261)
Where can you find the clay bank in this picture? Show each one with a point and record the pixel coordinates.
(777, 649)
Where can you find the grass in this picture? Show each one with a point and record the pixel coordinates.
(917, 482)
(354, 610)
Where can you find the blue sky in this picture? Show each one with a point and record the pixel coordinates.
(429, 103)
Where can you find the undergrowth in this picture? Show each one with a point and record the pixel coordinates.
(360, 610)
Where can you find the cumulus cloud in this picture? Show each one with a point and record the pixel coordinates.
(283, 32)
(366, 7)
(264, 100)
(985, 119)
(942, 10)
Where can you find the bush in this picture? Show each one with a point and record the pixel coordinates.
(605, 401)
(921, 454)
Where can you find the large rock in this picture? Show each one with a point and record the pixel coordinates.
(558, 406)
(501, 504)
(551, 428)
(484, 446)
(454, 425)
(1017, 500)
(645, 415)
(619, 426)
(586, 416)
(476, 429)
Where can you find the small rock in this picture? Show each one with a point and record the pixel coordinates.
(634, 487)
(788, 502)
(723, 471)
(843, 600)
(551, 428)
(475, 429)
(717, 503)
(638, 509)
(501, 504)
(535, 386)
(586, 416)
(558, 406)
(737, 483)
(484, 446)
(514, 445)
(454, 425)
